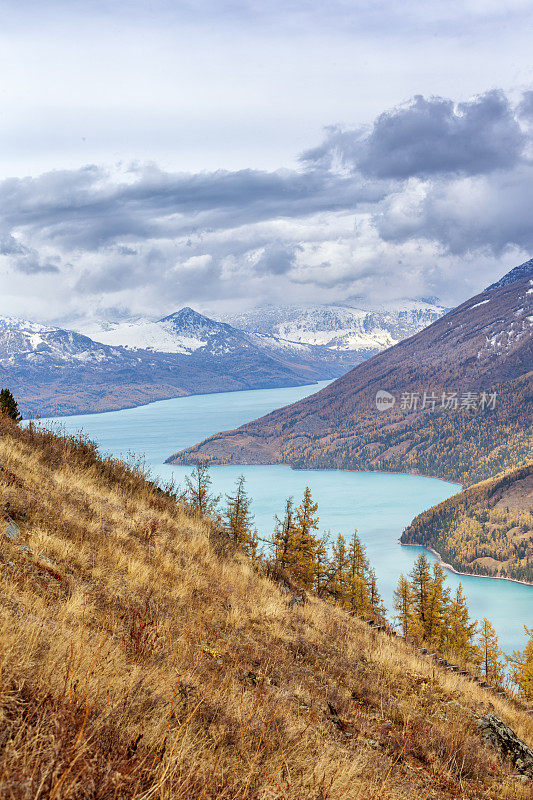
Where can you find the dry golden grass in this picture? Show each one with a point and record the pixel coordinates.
(140, 658)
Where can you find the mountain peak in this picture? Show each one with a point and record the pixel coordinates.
(522, 271)
(185, 314)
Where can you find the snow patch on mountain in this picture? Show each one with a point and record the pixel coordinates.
(146, 335)
(338, 327)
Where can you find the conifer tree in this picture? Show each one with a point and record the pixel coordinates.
(283, 537)
(322, 566)
(358, 595)
(376, 603)
(305, 525)
(420, 587)
(198, 492)
(337, 578)
(8, 405)
(522, 667)
(461, 630)
(490, 653)
(403, 605)
(436, 616)
(238, 519)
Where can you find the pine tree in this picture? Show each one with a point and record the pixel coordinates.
(461, 630)
(198, 492)
(238, 519)
(420, 586)
(322, 567)
(358, 594)
(305, 525)
(337, 572)
(522, 667)
(376, 603)
(490, 655)
(8, 405)
(404, 607)
(283, 537)
(436, 612)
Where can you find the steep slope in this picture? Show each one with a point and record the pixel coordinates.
(486, 529)
(482, 351)
(141, 658)
(54, 371)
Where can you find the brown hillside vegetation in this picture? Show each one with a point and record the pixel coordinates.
(486, 530)
(483, 347)
(143, 658)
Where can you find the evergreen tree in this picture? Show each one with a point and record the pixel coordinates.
(522, 667)
(461, 630)
(305, 540)
(238, 519)
(322, 567)
(404, 607)
(337, 577)
(490, 655)
(8, 405)
(420, 587)
(198, 492)
(357, 579)
(376, 603)
(283, 538)
(436, 611)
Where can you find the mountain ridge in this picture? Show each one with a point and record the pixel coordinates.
(484, 345)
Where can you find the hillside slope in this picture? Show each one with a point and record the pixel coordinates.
(142, 659)
(482, 348)
(486, 529)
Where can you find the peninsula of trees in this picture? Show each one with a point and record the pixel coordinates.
(486, 529)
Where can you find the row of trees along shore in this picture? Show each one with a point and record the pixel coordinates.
(426, 611)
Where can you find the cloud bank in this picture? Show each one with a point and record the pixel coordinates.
(431, 199)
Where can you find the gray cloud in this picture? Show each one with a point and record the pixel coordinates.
(277, 258)
(525, 109)
(430, 137)
(404, 204)
(465, 215)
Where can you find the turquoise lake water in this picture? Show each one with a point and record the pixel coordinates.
(379, 505)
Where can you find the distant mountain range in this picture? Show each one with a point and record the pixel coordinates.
(436, 391)
(340, 328)
(54, 371)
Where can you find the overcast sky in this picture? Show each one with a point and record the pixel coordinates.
(223, 154)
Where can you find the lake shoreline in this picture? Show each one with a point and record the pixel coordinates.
(449, 567)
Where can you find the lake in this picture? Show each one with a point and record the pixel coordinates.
(379, 505)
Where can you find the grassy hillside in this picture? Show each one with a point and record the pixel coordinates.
(142, 658)
(487, 529)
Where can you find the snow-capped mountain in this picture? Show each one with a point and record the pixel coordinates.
(54, 371)
(186, 331)
(338, 327)
(128, 363)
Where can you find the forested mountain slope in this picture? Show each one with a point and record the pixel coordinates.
(486, 529)
(142, 657)
(463, 401)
